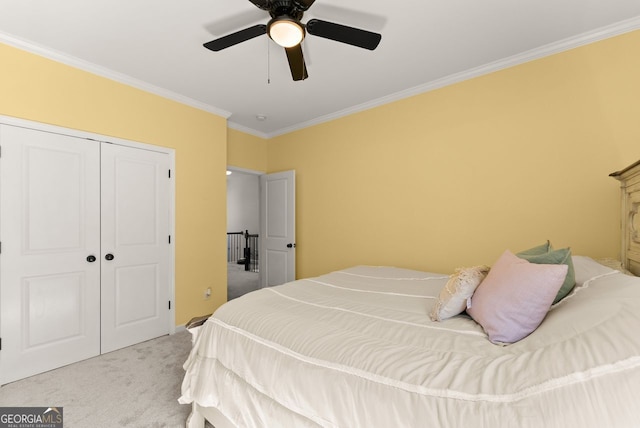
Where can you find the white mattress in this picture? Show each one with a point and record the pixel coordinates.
(356, 348)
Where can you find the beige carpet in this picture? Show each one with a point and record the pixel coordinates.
(134, 387)
(239, 281)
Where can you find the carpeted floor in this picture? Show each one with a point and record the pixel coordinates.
(239, 281)
(133, 387)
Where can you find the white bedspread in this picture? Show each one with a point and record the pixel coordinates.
(356, 348)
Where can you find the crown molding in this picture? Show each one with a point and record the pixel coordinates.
(247, 130)
(602, 33)
(107, 73)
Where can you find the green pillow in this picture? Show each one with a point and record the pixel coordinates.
(540, 249)
(553, 257)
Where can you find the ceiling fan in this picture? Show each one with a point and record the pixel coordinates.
(286, 30)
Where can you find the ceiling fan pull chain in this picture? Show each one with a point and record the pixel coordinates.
(268, 62)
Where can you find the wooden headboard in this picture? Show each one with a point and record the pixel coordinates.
(630, 185)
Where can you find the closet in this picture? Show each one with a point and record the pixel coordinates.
(86, 264)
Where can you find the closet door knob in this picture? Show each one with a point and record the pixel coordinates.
(109, 257)
(91, 259)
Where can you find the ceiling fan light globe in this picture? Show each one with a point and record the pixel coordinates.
(286, 32)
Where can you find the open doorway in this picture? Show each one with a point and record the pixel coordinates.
(243, 224)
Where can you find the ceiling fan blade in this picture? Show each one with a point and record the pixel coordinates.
(230, 23)
(341, 33)
(262, 4)
(235, 38)
(296, 63)
(303, 4)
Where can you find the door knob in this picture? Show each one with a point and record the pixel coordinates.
(91, 259)
(109, 257)
(291, 245)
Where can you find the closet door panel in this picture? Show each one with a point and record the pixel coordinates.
(49, 225)
(135, 246)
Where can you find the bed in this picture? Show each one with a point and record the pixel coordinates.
(357, 348)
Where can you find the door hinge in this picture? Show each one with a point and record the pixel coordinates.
(169, 239)
(169, 304)
(169, 173)
(0, 344)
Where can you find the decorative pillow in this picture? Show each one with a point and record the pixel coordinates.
(460, 287)
(540, 249)
(553, 257)
(515, 297)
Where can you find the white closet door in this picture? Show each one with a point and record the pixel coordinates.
(277, 228)
(49, 228)
(135, 246)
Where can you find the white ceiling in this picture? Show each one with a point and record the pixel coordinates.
(157, 45)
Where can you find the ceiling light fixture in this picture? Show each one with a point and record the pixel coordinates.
(285, 31)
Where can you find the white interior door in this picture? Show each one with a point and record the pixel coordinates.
(135, 246)
(49, 229)
(277, 228)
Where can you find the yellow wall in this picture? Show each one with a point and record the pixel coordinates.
(447, 178)
(454, 176)
(37, 89)
(246, 151)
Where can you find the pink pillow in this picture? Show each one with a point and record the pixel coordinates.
(515, 297)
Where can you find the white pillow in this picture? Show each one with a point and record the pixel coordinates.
(460, 287)
(614, 264)
(587, 268)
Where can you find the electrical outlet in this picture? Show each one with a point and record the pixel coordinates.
(207, 293)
